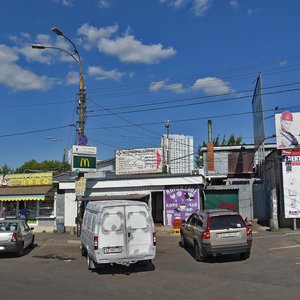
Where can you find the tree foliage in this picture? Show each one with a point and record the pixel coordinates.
(232, 141)
(33, 166)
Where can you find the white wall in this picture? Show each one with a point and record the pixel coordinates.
(70, 208)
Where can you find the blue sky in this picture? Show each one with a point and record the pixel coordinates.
(144, 62)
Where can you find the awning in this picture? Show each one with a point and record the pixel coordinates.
(24, 193)
(115, 197)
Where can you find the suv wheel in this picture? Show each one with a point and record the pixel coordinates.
(182, 241)
(199, 255)
(245, 255)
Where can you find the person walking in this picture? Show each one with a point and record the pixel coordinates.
(3, 213)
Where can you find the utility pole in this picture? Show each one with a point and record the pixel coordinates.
(167, 126)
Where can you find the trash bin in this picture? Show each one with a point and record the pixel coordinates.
(60, 225)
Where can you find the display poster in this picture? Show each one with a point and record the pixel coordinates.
(291, 183)
(180, 202)
(287, 130)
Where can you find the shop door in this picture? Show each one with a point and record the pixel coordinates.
(157, 207)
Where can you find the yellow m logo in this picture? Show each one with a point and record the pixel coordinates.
(84, 162)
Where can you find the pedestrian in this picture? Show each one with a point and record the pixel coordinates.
(286, 138)
(3, 213)
(23, 213)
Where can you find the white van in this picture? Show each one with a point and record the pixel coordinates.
(117, 232)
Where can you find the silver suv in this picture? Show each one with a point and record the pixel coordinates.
(216, 231)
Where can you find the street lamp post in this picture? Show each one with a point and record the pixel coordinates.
(76, 56)
(65, 150)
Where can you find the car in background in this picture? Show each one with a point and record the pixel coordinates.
(15, 236)
(216, 232)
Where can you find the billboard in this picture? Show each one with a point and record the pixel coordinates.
(291, 183)
(139, 161)
(84, 163)
(180, 202)
(26, 179)
(287, 130)
(258, 114)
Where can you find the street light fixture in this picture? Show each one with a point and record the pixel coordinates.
(65, 150)
(76, 56)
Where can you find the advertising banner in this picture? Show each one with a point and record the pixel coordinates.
(26, 179)
(180, 202)
(291, 183)
(139, 161)
(287, 130)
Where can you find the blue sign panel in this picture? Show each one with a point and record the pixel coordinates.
(82, 140)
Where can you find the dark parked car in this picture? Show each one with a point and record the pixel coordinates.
(15, 236)
(216, 231)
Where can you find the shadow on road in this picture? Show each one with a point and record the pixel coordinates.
(214, 259)
(123, 270)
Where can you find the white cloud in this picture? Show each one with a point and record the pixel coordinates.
(72, 78)
(101, 74)
(64, 2)
(212, 86)
(104, 3)
(163, 85)
(200, 7)
(17, 78)
(93, 35)
(253, 11)
(35, 54)
(128, 49)
(234, 4)
(283, 63)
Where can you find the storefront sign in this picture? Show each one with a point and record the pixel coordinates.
(25, 179)
(291, 183)
(84, 163)
(180, 202)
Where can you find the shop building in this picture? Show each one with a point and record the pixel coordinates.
(31, 194)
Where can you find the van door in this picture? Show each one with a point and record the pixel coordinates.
(112, 233)
(139, 230)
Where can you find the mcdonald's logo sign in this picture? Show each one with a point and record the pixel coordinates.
(84, 163)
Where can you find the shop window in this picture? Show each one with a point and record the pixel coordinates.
(11, 208)
(31, 211)
(46, 208)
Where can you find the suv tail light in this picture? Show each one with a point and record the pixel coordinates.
(14, 237)
(206, 234)
(154, 238)
(95, 242)
(249, 231)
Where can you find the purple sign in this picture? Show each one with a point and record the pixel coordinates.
(180, 202)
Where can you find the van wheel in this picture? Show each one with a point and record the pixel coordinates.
(83, 251)
(199, 255)
(90, 263)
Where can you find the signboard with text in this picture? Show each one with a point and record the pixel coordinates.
(84, 163)
(26, 179)
(291, 183)
(139, 161)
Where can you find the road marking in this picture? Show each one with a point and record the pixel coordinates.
(287, 247)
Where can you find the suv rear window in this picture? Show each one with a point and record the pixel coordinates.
(225, 222)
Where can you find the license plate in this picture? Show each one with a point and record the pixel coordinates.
(227, 234)
(2, 248)
(110, 250)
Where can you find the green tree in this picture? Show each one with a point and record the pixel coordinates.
(232, 141)
(46, 165)
(5, 169)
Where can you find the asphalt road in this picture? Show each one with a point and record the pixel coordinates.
(55, 269)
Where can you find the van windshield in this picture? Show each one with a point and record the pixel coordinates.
(225, 222)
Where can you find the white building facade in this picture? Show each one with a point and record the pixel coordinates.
(178, 152)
